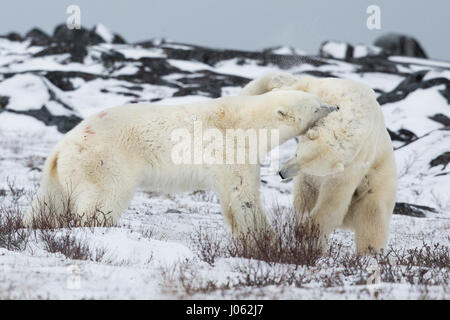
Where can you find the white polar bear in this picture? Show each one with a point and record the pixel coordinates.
(345, 173)
(103, 160)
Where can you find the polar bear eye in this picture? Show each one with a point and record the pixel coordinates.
(282, 113)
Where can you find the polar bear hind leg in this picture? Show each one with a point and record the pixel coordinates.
(96, 206)
(94, 193)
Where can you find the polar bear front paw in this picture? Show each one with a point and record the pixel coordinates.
(312, 134)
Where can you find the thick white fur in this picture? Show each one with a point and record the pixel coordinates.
(345, 164)
(103, 160)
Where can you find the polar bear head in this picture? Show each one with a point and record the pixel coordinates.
(313, 158)
(295, 110)
(334, 142)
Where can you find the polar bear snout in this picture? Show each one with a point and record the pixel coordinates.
(323, 110)
(328, 108)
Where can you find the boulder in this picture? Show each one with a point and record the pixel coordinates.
(401, 45)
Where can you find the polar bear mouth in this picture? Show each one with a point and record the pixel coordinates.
(290, 169)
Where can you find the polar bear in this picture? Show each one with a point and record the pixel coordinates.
(344, 169)
(103, 160)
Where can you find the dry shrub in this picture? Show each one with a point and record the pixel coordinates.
(15, 192)
(428, 256)
(208, 246)
(66, 243)
(49, 213)
(71, 246)
(54, 227)
(296, 241)
(260, 274)
(148, 233)
(13, 235)
(425, 265)
(296, 258)
(184, 275)
(51, 227)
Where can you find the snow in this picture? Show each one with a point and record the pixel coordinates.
(286, 50)
(191, 66)
(139, 52)
(58, 62)
(376, 80)
(420, 61)
(250, 69)
(15, 87)
(90, 99)
(414, 182)
(413, 111)
(104, 33)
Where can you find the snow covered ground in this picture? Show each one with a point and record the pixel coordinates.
(152, 253)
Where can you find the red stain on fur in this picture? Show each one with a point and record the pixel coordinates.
(86, 132)
(102, 114)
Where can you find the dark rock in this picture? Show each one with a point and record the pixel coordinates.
(134, 88)
(213, 56)
(402, 45)
(151, 71)
(403, 135)
(4, 100)
(14, 36)
(376, 64)
(127, 94)
(109, 58)
(77, 52)
(208, 84)
(320, 74)
(441, 118)
(62, 123)
(347, 53)
(38, 37)
(61, 79)
(411, 83)
(443, 160)
(173, 211)
(412, 210)
(74, 42)
(118, 39)
(82, 36)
